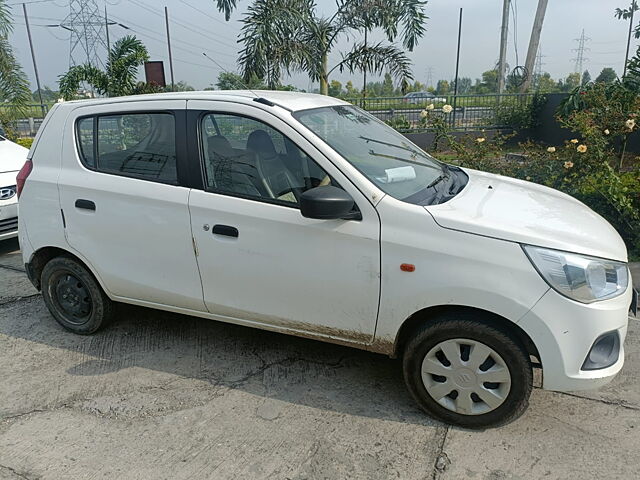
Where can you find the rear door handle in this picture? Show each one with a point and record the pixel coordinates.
(85, 204)
(225, 230)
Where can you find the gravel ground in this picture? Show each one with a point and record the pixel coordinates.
(158, 395)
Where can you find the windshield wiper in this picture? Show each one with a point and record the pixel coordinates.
(438, 179)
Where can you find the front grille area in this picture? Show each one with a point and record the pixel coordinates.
(8, 225)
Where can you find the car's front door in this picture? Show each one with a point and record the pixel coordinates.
(260, 260)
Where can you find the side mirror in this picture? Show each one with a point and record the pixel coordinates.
(328, 203)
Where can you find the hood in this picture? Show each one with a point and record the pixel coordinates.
(524, 212)
(12, 156)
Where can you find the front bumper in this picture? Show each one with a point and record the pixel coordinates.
(564, 332)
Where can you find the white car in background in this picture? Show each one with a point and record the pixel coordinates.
(417, 98)
(12, 157)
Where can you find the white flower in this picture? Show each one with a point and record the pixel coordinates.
(431, 106)
(447, 108)
(574, 140)
(606, 131)
(581, 148)
(630, 123)
(480, 139)
(568, 165)
(424, 114)
(551, 149)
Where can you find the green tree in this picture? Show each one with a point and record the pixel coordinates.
(607, 75)
(546, 84)
(182, 86)
(489, 83)
(442, 87)
(48, 95)
(351, 90)
(586, 77)
(418, 87)
(572, 81)
(335, 88)
(14, 85)
(387, 85)
(119, 76)
(233, 81)
(289, 35)
(464, 85)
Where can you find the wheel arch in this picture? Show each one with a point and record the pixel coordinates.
(430, 313)
(43, 255)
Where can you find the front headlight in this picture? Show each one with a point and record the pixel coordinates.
(579, 277)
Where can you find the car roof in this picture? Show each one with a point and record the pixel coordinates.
(292, 101)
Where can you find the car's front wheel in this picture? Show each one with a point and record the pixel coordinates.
(466, 372)
(74, 297)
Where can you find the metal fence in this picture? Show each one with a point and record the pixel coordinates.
(31, 117)
(469, 112)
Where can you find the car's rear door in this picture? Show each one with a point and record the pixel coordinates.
(260, 260)
(125, 201)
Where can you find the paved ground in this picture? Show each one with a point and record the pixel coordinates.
(159, 395)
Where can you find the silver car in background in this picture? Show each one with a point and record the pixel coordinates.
(12, 157)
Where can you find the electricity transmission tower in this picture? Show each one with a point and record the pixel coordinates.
(88, 33)
(537, 69)
(429, 77)
(580, 58)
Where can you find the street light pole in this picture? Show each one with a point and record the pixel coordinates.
(626, 57)
(166, 19)
(33, 57)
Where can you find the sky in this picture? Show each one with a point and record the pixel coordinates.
(196, 27)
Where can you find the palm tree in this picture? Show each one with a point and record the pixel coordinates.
(14, 85)
(119, 77)
(288, 35)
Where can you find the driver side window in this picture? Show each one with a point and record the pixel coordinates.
(248, 158)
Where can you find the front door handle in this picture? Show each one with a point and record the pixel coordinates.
(225, 230)
(85, 204)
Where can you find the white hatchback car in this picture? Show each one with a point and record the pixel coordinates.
(12, 158)
(302, 214)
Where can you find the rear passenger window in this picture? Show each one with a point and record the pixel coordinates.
(137, 145)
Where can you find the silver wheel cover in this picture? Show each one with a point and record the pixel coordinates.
(466, 376)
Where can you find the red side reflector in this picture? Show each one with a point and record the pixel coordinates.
(22, 176)
(407, 267)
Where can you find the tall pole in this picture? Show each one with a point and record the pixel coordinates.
(33, 57)
(364, 72)
(626, 57)
(166, 18)
(504, 30)
(455, 87)
(106, 27)
(534, 43)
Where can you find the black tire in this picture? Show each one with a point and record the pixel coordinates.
(74, 297)
(468, 325)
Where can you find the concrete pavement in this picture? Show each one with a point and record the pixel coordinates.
(158, 395)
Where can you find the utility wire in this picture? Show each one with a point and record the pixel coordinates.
(160, 39)
(192, 27)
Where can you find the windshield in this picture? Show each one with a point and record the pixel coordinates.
(384, 156)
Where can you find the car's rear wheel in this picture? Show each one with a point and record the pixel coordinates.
(466, 372)
(74, 297)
